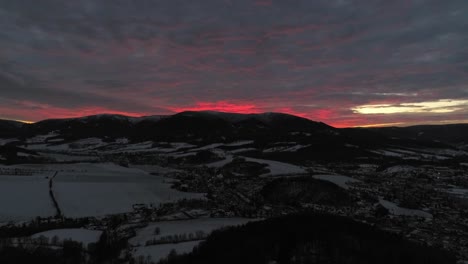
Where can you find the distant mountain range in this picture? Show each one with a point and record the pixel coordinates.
(216, 126)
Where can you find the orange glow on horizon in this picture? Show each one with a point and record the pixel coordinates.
(328, 116)
(221, 106)
(24, 121)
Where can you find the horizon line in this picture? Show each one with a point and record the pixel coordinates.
(378, 125)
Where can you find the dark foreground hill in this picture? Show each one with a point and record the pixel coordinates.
(10, 128)
(309, 238)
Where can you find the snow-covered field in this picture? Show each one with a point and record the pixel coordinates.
(207, 225)
(24, 197)
(439, 154)
(278, 168)
(101, 189)
(81, 189)
(171, 228)
(154, 168)
(81, 235)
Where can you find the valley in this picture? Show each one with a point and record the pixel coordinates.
(152, 186)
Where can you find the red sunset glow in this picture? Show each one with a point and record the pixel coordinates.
(356, 67)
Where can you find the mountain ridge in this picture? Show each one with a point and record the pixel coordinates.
(214, 125)
(148, 117)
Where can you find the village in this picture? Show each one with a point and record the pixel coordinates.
(425, 203)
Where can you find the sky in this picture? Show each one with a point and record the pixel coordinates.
(342, 62)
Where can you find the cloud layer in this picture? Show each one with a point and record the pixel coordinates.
(326, 60)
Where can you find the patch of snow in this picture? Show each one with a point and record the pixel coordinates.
(396, 210)
(101, 189)
(173, 147)
(78, 145)
(339, 180)
(57, 157)
(181, 145)
(133, 147)
(35, 146)
(23, 198)
(457, 191)
(159, 252)
(399, 169)
(405, 151)
(218, 164)
(278, 168)
(296, 148)
(285, 143)
(368, 166)
(122, 141)
(41, 138)
(181, 155)
(80, 235)
(440, 154)
(239, 143)
(4, 141)
(285, 148)
(448, 152)
(23, 154)
(273, 149)
(242, 150)
(300, 133)
(387, 153)
(154, 169)
(55, 140)
(210, 146)
(60, 147)
(180, 227)
(148, 146)
(89, 141)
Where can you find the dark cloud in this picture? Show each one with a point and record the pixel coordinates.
(318, 59)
